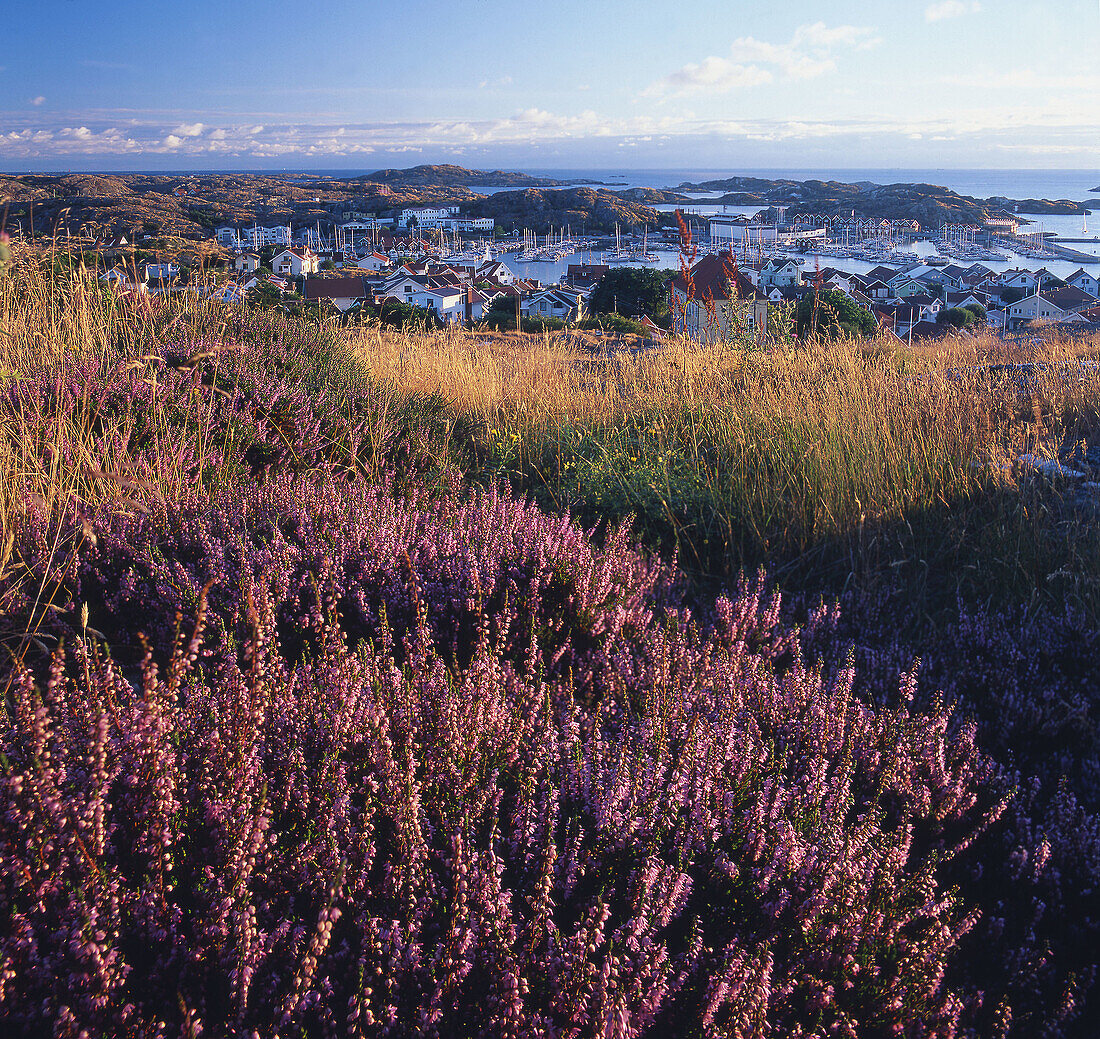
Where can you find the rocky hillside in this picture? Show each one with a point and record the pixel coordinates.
(583, 209)
(458, 176)
(91, 205)
(930, 204)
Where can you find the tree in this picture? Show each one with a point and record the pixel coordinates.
(979, 312)
(403, 315)
(956, 317)
(632, 292)
(614, 323)
(264, 295)
(1012, 295)
(831, 313)
(501, 314)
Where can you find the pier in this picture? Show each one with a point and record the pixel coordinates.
(1066, 253)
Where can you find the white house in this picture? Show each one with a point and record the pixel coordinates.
(227, 236)
(294, 263)
(373, 262)
(426, 216)
(496, 271)
(402, 285)
(963, 299)
(1081, 279)
(447, 303)
(162, 272)
(779, 274)
(1031, 308)
(470, 224)
(1019, 279)
(247, 262)
(554, 303)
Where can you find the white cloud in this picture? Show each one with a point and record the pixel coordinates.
(1048, 122)
(36, 101)
(945, 9)
(189, 129)
(712, 75)
(752, 62)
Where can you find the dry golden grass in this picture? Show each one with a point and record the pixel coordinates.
(800, 455)
(847, 457)
(942, 389)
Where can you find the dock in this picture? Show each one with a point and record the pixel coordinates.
(1066, 253)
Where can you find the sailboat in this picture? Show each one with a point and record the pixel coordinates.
(620, 255)
(644, 255)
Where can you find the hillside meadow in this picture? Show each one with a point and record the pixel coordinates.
(458, 683)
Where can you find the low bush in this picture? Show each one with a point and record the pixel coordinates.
(507, 784)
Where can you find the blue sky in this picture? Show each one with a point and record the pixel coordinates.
(571, 84)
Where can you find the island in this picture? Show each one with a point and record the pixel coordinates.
(582, 209)
(446, 175)
(931, 205)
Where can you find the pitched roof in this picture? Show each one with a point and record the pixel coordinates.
(955, 299)
(337, 288)
(714, 276)
(1068, 297)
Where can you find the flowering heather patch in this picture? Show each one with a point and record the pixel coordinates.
(1030, 683)
(375, 560)
(443, 767)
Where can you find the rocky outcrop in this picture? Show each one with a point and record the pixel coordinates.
(583, 209)
(447, 175)
(655, 196)
(930, 204)
(1038, 205)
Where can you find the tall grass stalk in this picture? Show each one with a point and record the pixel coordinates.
(828, 459)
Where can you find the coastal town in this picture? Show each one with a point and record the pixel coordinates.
(456, 270)
(459, 246)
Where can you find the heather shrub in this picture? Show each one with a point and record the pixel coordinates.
(201, 414)
(300, 737)
(835, 858)
(355, 550)
(1028, 681)
(381, 839)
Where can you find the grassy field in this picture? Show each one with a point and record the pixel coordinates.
(835, 463)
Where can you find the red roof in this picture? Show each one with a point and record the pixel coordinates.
(713, 277)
